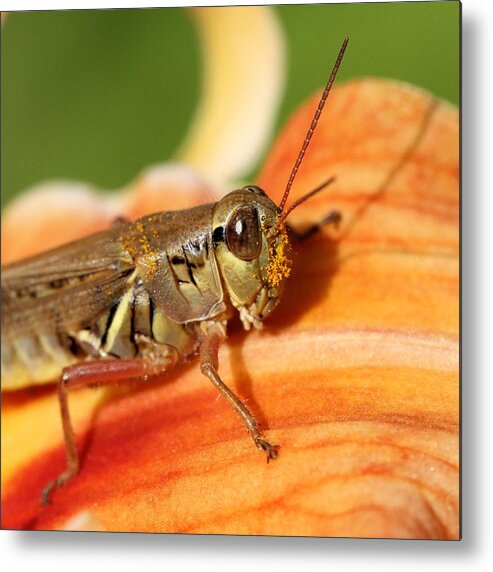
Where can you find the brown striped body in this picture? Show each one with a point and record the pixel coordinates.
(137, 290)
(131, 328)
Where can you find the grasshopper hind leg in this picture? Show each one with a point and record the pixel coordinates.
(91, 373)
(70, 447)
(209, 362)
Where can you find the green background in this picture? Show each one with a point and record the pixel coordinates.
(99, 95)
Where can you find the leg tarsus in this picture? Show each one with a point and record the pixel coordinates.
(55, 484)
(332, 218)
(271, 450)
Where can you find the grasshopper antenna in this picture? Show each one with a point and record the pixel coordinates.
(313, 125)
(307, 196)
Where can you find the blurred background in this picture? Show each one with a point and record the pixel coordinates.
(99, 95)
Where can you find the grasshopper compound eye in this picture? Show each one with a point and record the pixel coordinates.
(243, 233)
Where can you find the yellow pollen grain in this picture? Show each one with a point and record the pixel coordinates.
(279, 265)
(138, 245)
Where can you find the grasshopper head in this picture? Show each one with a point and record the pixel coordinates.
(252, 251)
(250, 239)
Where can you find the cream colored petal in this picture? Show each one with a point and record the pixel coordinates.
(243, 71)
(52, 213)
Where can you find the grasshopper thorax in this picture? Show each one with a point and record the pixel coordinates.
(252, 252)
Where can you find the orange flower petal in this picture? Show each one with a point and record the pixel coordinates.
(356, 376)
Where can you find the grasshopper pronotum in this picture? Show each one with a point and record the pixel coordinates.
(136, 299)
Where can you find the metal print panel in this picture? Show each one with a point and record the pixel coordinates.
(256, 331)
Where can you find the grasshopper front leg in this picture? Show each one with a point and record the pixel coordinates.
(209, 362)
(332, 218)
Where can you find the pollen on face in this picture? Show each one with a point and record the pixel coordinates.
(279, 265)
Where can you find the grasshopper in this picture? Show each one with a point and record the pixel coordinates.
(135, 300)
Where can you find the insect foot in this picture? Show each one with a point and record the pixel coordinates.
(271, 450)
(58, 482)
(333, 218)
